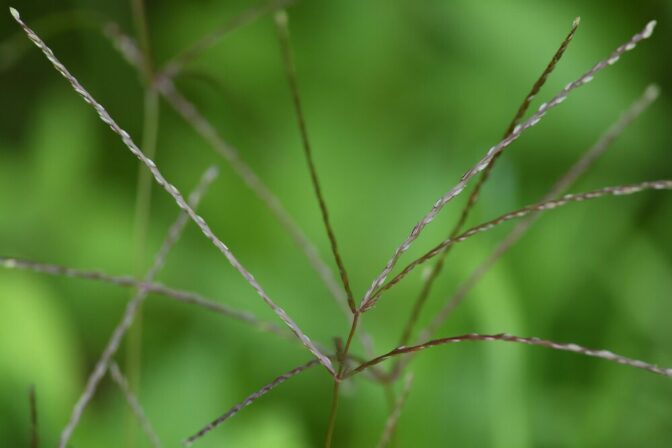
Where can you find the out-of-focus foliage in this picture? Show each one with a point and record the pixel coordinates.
(400, 98)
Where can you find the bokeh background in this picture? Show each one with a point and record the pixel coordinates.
(400, 98)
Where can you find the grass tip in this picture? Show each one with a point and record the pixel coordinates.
(576, 22)
(15, 13)
(652, 91)
(281, 18)
(648, 30)
(212, 172)
(9, 263)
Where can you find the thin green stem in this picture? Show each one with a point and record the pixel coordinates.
(343, 356)
(348, 342)
(143, 200)
(142, 31)
(282, 28)
(389, 395)
(332, 415)
(34, 438)
(176, 65)
(281, 20)
(141, 225)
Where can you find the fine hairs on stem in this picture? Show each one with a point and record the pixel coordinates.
(161, 83)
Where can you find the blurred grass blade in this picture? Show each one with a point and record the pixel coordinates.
(176, 65)
(393, 419)
(134, 404)
(143, 200)
(188, 297)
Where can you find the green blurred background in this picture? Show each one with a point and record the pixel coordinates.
(400, 98)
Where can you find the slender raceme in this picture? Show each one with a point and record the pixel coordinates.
(188, 297)
(475, 193)
(130, 312)
(473, 197)
(134, 404)
(393, 419)
(621, 190)
(190, 114)
(603, 354)
(248, 401)
(162, 83)
(290, 70)
(177, 64)
(143, 200)
(188, 111)
(577, 170)
(567, 180)
(368, 301)
(282, 28)
(175, 193)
